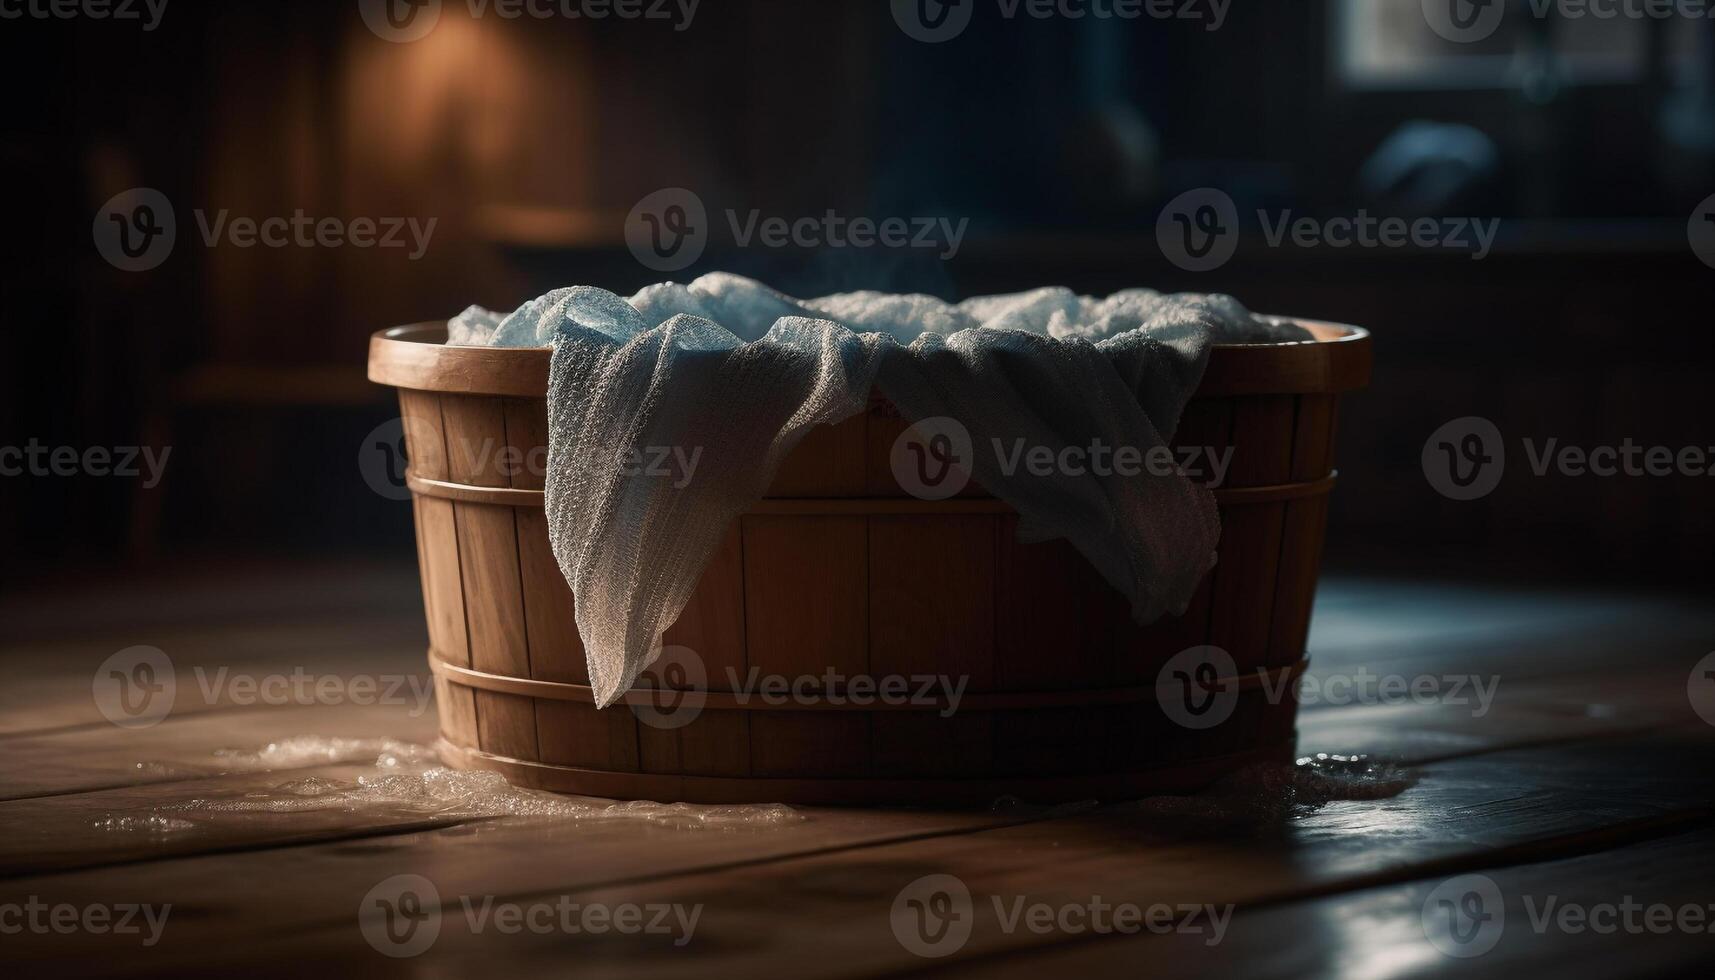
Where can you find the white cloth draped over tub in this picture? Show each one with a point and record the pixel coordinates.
(733, 374)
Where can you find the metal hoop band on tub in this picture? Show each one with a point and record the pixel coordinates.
(1263, 678)
(804, 506)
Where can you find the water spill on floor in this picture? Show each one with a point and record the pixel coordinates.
(399, 778)
(314, 750)
(1264, 797)
(148, 825)
(403, 778)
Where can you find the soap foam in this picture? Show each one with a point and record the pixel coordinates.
(300, 751)
(150, 825)
(403, 776)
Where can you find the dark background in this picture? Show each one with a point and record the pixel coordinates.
(1060, 140)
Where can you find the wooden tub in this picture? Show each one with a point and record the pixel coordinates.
(831, 576)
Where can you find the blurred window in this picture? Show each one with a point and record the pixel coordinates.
(1384, 44)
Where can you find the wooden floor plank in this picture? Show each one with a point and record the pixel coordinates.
(831, 915)
(242, 897)
(61, 830)
(1381, 932)
(1537, 710)
(828, 913)
(162, 821)
(184, 747)
(1589, 745)
(255, 621)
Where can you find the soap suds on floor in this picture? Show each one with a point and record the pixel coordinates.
(311, 750)
(407, 776)
(149, 825)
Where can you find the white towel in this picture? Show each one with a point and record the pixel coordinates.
(732, 374)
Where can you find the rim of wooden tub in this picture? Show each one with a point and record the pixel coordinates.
(417, 357)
